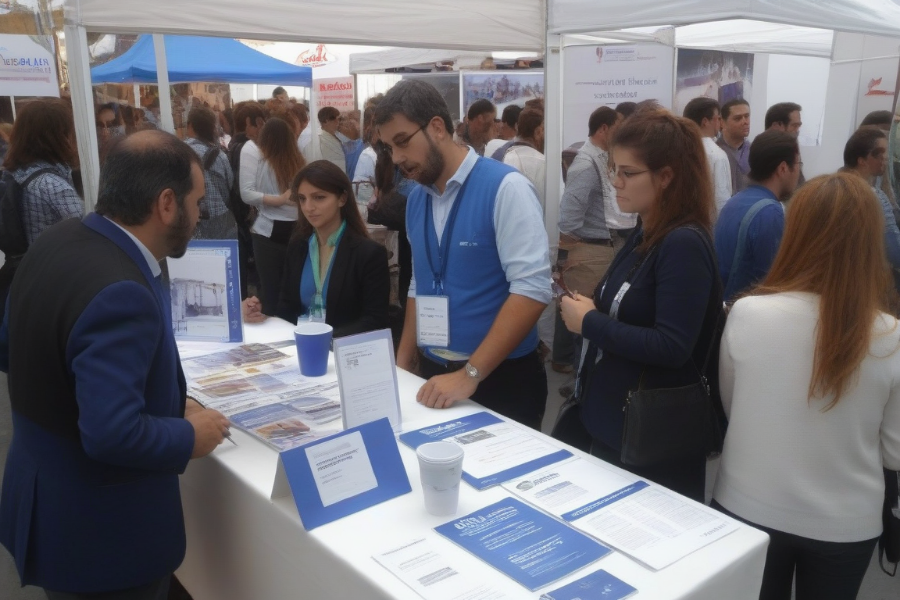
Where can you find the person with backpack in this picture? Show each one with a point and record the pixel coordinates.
(216, 220)
(40, 158)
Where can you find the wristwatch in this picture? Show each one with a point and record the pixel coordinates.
(472, 372)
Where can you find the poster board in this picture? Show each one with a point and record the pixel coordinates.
(595, 76)
(28, 66)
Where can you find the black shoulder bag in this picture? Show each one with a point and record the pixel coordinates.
(668, 424)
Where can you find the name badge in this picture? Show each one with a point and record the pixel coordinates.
(433, 321)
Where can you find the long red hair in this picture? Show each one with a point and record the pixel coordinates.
(660, 139)
(833, 246)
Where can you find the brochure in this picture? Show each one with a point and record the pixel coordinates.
(205, 292)
(651, 524)
(496, 450)
(525, 544)
(599, 585)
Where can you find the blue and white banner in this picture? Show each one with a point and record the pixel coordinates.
(28, 66)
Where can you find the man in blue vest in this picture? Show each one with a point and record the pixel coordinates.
(481, 267)
(90, 505)
(750, 225)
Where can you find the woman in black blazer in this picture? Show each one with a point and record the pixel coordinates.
(350, 288)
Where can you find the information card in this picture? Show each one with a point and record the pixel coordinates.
(496, 450)
(525, 544)
(367, 378)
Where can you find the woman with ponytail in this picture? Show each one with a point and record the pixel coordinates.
(651, 320)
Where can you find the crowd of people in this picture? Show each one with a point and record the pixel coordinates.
(663, 218)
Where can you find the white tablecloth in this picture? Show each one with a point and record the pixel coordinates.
(242, 545)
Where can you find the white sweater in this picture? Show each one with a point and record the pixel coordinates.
(787, 464)
(258, 179)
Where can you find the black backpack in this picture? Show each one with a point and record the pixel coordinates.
(13, 241)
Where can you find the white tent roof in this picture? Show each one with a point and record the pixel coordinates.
(393, 58)
(737, 35)
(876, 17)
(461, 24)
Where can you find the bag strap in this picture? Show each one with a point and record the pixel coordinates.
(35, 175)
(744, 231)
(209, 158)
(717, 284)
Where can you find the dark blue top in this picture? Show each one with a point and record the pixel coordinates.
(666, 319)
(763, 239)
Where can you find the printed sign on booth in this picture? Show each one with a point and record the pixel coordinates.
(27, 66)
(335, 91)
(596, 76)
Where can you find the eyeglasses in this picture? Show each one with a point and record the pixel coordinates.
(615, 173)
(106, 124)
(401, 143)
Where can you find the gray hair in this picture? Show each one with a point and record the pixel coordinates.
(416, 100)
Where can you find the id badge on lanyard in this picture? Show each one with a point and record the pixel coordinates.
(433, 321)
(433, 312)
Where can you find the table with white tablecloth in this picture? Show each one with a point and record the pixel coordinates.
(244, 545)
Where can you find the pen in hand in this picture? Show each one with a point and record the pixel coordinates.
(228, 437)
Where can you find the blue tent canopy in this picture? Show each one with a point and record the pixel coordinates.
(191, 58)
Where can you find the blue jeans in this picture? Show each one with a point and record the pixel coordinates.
(824, 570)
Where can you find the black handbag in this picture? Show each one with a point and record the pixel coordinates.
(668, 424)
(889, 542)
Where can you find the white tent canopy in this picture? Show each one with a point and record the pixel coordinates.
(738, 35)
(875, 17)
(394, 58)
(462, 24)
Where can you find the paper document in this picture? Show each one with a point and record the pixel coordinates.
(341, 468)
(496, 450)
(525, 544)
(651, 524)
(367, 378)
(437, 575)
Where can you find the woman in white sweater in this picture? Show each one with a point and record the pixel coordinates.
(267, 170)
(810, 377)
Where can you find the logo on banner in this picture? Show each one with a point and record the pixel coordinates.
(317, 57)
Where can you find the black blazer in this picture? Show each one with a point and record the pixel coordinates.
(358, 292)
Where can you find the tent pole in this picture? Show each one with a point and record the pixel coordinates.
(553, 127)
(83, 107)
(12, 104)
(162, 78)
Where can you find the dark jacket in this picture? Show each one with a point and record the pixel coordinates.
(358, 291)
(666, 319)
(90, 498)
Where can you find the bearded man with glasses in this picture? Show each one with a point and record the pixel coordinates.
(481, 268)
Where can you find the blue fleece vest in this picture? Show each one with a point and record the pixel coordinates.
(474, 280)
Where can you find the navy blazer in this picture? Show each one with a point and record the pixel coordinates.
(359, 289)
(90, 499)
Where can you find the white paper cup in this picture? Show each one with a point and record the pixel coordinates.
(440, 469)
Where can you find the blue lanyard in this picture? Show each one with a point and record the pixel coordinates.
(443, 248)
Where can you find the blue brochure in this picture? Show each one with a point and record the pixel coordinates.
(599, 585)
(205, 292)
(345, 473)
(495, 450)
(523, 543)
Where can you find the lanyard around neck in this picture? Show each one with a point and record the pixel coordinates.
(332, 241)
(443, 247)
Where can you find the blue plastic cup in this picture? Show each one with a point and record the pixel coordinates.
(313, 344)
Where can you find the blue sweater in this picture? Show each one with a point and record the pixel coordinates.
(666, 319)
(475, 281)
(763, 239)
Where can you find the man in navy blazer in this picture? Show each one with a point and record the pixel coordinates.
(90, 501)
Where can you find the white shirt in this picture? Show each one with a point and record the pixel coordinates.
(258, 179)
(155, 269)
(787, 464)
(521, 237)
(364, 176)
(615, 218)
(493, 146)
(720, 171)
(531, 163)
(332, 150)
